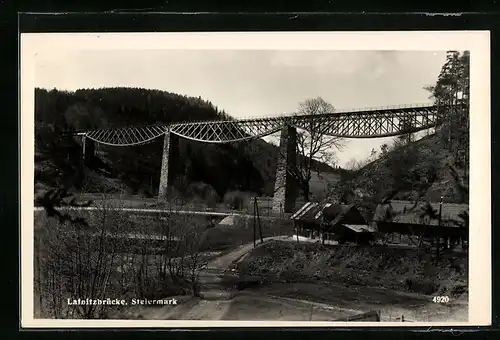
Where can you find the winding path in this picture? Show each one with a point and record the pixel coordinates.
(220, 303)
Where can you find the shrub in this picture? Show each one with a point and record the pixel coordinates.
(205, 192)
(98, 259)
(372, 266)
(237, 200)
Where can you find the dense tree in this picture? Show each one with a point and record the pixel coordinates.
(451, 94)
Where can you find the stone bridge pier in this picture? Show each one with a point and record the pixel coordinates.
(285, 185)
(169, 165)
(88, 150)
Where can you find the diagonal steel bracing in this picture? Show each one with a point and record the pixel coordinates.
(372, 123)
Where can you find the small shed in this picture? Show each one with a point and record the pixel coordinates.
(347, 224)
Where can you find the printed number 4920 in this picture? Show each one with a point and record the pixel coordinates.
(441, 299)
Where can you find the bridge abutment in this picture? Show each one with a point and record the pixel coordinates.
(169, 162)
(285, 186)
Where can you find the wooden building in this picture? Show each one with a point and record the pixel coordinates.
(340, 222)
(409, 218)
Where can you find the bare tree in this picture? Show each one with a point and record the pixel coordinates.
(112, 255)
(314, 144)
(78, 260)
(193, 237)
(180, 258)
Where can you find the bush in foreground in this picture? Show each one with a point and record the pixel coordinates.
(372, 266)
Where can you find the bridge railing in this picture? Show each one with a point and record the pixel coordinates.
(291, 114)
(389, 107)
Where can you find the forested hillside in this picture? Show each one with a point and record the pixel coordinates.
(435, 166)
(218, 169)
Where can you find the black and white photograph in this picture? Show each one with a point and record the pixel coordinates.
(249, 178)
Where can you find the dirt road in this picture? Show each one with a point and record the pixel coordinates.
(294, 301)
(226, 261)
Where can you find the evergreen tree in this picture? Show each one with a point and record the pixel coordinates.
(451, 94)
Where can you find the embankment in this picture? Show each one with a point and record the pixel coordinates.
(402, 270)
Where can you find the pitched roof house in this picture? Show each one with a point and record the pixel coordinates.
(331, 218)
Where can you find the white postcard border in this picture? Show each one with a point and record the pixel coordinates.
(477, 42)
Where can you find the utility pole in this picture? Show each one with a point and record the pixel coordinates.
(256, 209)
(254, 231)
(84, 139)
(439, 225)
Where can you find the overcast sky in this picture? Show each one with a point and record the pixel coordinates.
(256, 82)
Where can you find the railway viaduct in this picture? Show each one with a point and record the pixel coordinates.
(363, 123)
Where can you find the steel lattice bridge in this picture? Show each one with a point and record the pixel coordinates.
(366, 123)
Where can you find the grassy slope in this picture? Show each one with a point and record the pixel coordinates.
(429, 153)
(370, 266)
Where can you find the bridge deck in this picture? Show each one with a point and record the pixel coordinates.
(363, 123)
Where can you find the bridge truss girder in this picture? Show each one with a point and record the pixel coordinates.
(359, 124)
(127, 136)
